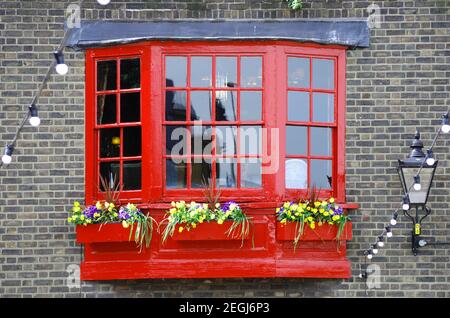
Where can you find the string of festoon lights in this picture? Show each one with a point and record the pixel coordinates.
(429, 160)
(31, 115)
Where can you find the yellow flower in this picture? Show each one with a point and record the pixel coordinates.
(194, 225)
(74, 217)
(110, 209)
(178, 205)
(324, 203)
(227, 214)
(312, 225)
(294, 207)
(76, 209)
(277, 210)
(173, 210)
(98, 205)
(89, 221)
(115, 214)
(130, 206)
(69, 220)
(125, 224)
(217, 205)
(76, 203)
(96, 215)
(193, 203)
(317, 204)
(326, 213)
(286, 205)
(232, 206)
(320, 223)
(220, 221)
(82, 218)
(283, 221)
(308, 208)
(213, 216)
(106, 204)
(180, 229)
(172, 203)
(314, 210)
(322, 210)
(331, 200)
(310, 218)
(205, 206)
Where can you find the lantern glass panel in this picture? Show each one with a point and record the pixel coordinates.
(418, 197)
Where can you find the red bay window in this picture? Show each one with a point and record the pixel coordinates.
(166, 118)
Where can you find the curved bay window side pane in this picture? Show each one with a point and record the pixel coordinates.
(106, 75)
(132, 175)
(176, 71)
(130, 73)
(132, 144)
(109, 143)
(106, 109)
(130, 107)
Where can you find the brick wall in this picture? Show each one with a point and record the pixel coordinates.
(401, 82)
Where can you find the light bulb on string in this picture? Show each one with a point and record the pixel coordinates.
(405, 203)
(430, 158)
(34, 118)
(394, 218)
(104, 2)
(374, 248)
(7, 156)
(369, 254)
(388, 231)
(445, 124)
(61, 67)
(417, 185)
(380, 241)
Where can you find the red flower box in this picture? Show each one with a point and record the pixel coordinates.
(326, 232)
(208, 231)
(103, 233)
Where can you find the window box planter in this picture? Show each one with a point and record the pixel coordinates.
(106, 233)
(208, 231)
(326, 232)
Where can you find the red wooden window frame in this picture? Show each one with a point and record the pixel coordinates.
(274, 87)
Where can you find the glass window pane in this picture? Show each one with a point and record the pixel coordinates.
(323, 107)
(320, 141)
(176, 70)
(106, 109)
(298, 72)
(321, 174)
(226, 69)
(226, 105)
(110, 171)
(130, 107)
(175, 173)
(106, 75)
(201, 71)
(132, 141)
(296, 174)
(251, 140)
(176, 140)
(109, 143)
(176, 105)
(201, 105)
(132, 175)
(251, 173)
(226, 172)
(419, 196)
(251, 106)
(251, 71)
(201, 173)
(298, 106)
(323, 74)
(226, 140)
(296, 140)
(130, 74)
(201, 140)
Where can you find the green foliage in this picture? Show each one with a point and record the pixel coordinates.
(295, 4)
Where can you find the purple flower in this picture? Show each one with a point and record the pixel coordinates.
(123, 215)
(89, 212)
(226, 206)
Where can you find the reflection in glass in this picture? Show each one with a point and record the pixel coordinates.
(321, 174)
(296, 174)
(110, 171)
(323, 74)
(251, 173)
(226, 69)
(175, 174)
(226, 106)
(130, 107)
(201, 71)
(296, 140)
(130, 74)
(298, 72)
(226, 172)
(176, 70)
(251, 71)
(320, 141)
(106, 75)
(106, 109)
(176, 106)
(323, 107)
(201, 140)
(201, 173)
(176, 140)
(251, 106)
(132, 141)
(251, 140)
(226, 140)
(132, 175)
(109, 143)
(201, 105)
(298, 106)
